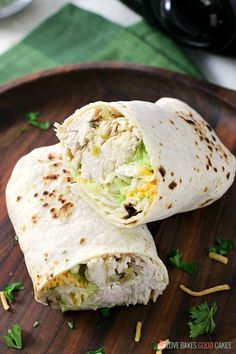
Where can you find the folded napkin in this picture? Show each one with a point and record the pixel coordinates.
(73, 35)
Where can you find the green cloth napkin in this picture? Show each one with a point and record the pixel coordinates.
(73, 35)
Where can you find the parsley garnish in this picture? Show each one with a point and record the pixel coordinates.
(16, 238)
(32, 118)
(202, 319)
(10, 288)
(13, 337)
(175, 260)
(36, 324)
(155, 347)
(105, 312)
(98, 351)
(223, 246)
(71, 324)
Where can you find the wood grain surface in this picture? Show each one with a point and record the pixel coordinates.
(56, 94)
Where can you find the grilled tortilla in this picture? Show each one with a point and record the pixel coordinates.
(136, 162)
(76, 259)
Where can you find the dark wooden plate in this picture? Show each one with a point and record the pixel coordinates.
(56, 94)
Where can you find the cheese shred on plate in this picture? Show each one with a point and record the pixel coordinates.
(4, 301)
(206, 291)
(218, 257)
(138, 331)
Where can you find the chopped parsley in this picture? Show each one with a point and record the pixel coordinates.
(16, 238)
(105, 312)
(223, 246)
(32, 119)
(71, 324)
(13, 338)
(202, 321)
(98, 351)
(155, 347)
(10, 288)
(36, 324)
(175, 260)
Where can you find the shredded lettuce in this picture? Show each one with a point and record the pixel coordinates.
(119, 198)
(92, 287)
(117, 190)
(79, 273)
(86, 289)
(141, 156)
(94, 187)
(121, 185)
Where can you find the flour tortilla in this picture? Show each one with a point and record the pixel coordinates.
(191, 165)
(57, 232)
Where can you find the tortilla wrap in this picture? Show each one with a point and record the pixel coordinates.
(136, 162)
(76, 259)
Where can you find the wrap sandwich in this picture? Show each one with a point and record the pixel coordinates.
(76, 259)
(136, 162)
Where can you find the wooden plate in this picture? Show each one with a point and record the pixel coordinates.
(56, 94)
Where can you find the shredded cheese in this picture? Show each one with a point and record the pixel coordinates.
(138, 331)
(206, 291)
(4, 301)
(218, 257)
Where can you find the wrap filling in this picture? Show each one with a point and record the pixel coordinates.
(109, 159)
(105, 282)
